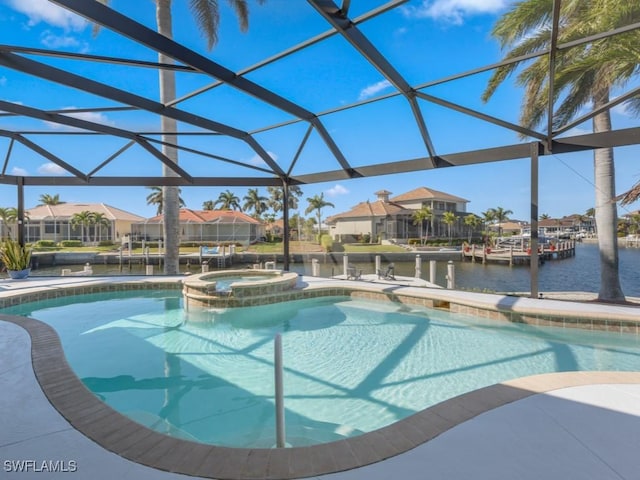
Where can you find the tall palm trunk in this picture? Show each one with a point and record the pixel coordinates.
(170, 195)
(606, 211)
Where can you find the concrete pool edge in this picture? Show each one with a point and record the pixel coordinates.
(130, 440)
(624, 319)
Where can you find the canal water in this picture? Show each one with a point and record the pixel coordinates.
(578, 273)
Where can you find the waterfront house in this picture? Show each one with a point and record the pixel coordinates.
(55, 222)
(205, 226)
(391, 219)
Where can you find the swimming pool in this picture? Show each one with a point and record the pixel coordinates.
(351, 366)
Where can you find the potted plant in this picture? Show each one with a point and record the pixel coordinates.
(16, 259)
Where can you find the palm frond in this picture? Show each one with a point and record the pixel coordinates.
(207, 16)
(631, 196)
(242, 12)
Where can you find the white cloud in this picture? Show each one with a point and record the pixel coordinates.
(371, 90)
(46, 12)
(259, 162)
(336, 190)
(622, 109)
(51, 169)
(20, 172)
(454, 11)
(51, 40)
(95, 117)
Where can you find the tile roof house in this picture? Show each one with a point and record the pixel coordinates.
(53, 222)
(391, 218)
(208, 226)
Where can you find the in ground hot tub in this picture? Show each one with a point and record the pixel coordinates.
(237, 288)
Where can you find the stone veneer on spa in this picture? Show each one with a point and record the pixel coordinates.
(201, 290)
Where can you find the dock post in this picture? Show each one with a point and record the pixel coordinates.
(473, 253)
(484, 254)
(315, 267)
(345, 266)
(451, 275)
(418, 266)
(432, 271)
(511, 255)
(377, 264)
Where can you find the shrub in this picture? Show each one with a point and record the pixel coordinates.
(71, 243)
(327, 242)
(105, 243)
(45, 243)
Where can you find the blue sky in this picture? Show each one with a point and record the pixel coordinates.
(424, 39)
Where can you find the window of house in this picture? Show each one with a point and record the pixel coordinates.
(50, 227)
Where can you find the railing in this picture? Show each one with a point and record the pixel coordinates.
(277, 360)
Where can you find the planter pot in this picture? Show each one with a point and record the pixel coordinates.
(19, 274)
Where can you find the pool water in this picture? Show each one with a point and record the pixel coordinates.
(223, 284)
(351, 366)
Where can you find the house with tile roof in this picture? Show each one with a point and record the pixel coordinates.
(391, 218)
(53, 222)
(206, 226)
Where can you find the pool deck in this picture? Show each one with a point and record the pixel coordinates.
(582, 425)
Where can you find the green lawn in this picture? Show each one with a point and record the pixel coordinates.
(371, 248)
(263, 247)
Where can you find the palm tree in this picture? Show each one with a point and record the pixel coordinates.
(253, 201)
(156, 197)
(84, 220)
(472, 221)
(449, 218)
(276, 194)
(46, 199)
(8, 215)
(488, 217)
(419, 217)
(501, 215)
(207, 14)
(228, 201)
(317, 203)
(99, 220)
(584, 75)
(544, 216)
(208, 205)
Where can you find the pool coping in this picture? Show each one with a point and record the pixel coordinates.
(120, 435)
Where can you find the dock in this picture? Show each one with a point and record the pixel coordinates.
(396, 280)
(514, 255)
